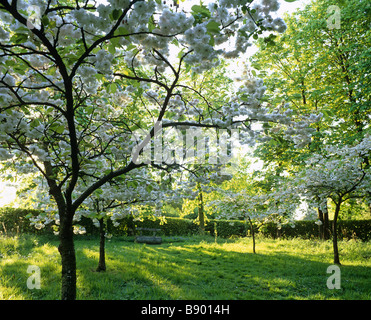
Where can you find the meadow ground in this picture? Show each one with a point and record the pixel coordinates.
(197, 268)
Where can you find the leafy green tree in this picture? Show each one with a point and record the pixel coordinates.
(313, 67)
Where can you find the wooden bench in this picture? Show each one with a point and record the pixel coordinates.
(148, 239)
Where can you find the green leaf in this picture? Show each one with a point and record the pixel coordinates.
(175, 42)
(213, 27)
(19, 38)
(45, 21)
(59, 129)
(212, 41)
(99, 76)
(116, 14)
(112, 88)
(132, 184)
(201, 10)
(89, 109)
(34, 123)
(180, 54)
(131, 47)
(290, 0)
(53, 126)
(52, 24)
(122, 31)
(112, 49)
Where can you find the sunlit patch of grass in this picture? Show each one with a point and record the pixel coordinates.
(17, 253)
(197, 268)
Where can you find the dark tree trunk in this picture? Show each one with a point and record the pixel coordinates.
(67, 251)
(66, 246)
(252, 230)
(324, 228)
(326, 225)
(335, 235)
(321, 227)
(102, 255)
(201, 213)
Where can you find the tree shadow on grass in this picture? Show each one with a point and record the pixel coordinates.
(182, 271)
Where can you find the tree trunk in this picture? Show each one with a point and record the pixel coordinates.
(67, 251)
(326, 225)
(102, 256)
(324, 228)
(201, 213)
(334, 234)
(252, 234)
(321, 227)
(66, 246)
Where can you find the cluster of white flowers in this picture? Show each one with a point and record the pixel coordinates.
(122, 213)
(38, 152)
(5, 155)
(79, 229)
(204, 56)
(260, 13)
(336, 171)
(258, 206)
(38, 222)
(68, 34)
(88, 21)
(4, 35)
(103, 61)
(12, 122)
(87, 74)
(139, 16)
(173, 22)
(251, 92)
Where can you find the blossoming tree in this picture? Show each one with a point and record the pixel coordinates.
(77, 79)
(254, 197)
(339, 174)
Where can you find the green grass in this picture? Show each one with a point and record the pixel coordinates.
(194, 268)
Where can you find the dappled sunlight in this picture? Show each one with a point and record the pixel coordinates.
(283, 269)
(20, 253)
(91, 252)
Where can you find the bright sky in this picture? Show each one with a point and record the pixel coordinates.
(7, 194)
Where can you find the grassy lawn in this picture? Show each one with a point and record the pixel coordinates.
(192, 268)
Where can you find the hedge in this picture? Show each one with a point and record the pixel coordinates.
(172, 227)
(347, 229)
(14, 221)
